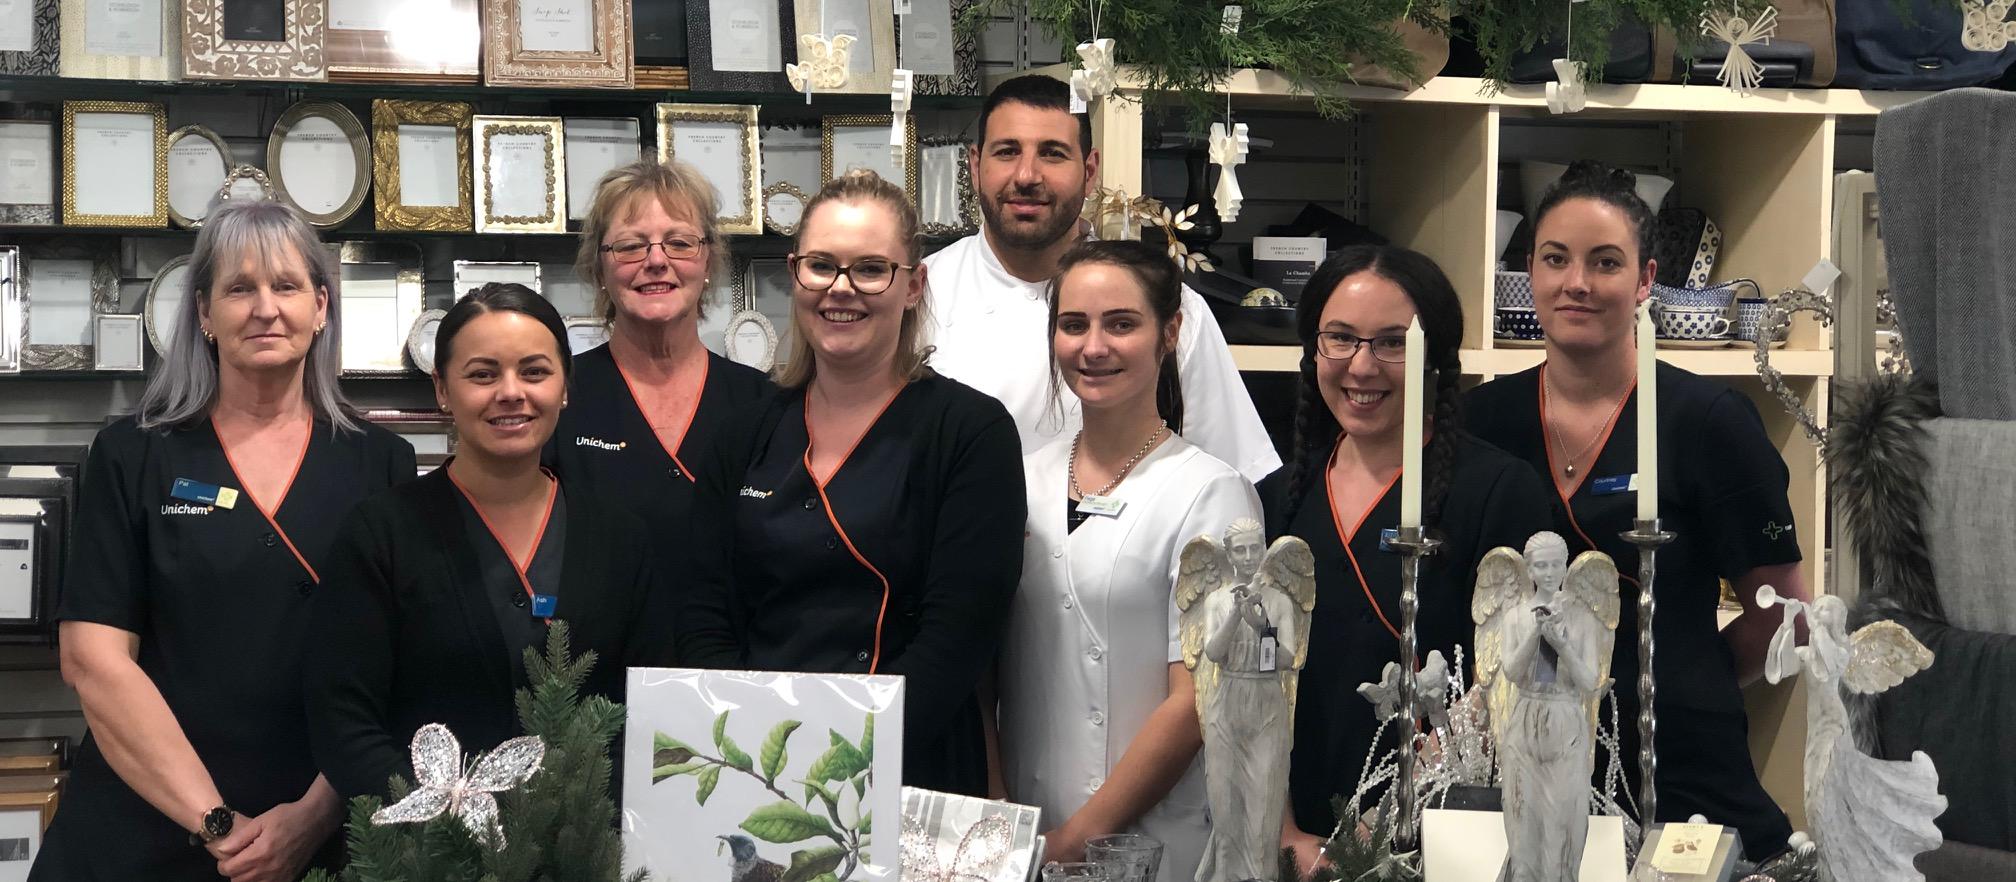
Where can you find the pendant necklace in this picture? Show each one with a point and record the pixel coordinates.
(1569, 469)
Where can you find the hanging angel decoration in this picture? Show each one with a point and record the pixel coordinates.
(1244, 622)
(1544, 634)
(1870, 816)
(1739, 71)
(1097, 77)
(1228, 152)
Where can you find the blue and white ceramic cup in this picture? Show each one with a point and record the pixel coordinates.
(1750, 317)
(1692, 324)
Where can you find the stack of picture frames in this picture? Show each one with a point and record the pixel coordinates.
(31, 784)
(55, 296)
(38, 491)
(379, 298)
(745, 45)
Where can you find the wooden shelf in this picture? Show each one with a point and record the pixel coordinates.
(1733, 362)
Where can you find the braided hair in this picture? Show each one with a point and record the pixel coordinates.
(1441, 316)
(1616, 187)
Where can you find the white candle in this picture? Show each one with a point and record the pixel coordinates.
(1410, 439)
(1648, 417)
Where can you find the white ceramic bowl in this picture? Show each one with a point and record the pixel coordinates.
(1535, 177)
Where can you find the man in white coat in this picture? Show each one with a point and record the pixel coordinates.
(1032, 167)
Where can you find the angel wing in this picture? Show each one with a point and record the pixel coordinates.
(1592, 582)
(1289, 567)
(1501, 575)
(1202, 568)
(1882, 655)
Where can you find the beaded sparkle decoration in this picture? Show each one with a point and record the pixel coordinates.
(445, 786)
(982, 849)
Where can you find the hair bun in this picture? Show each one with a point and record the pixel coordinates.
(1591, 174)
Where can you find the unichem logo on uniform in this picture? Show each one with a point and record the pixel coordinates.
(185, 509)
(754, 493)
(585, 441)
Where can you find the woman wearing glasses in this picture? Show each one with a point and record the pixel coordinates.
(1339, 493)
(868, 517)
(645, 405)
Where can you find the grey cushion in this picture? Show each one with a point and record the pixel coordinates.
(1960, 862)
(1960, 712)
(1970, 490)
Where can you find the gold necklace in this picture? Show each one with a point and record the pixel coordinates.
(1569, 469)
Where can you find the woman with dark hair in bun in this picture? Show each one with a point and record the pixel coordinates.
(1722, 493)
(1339, 492)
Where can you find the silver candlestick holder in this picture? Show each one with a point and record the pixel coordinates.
(1648, 537)
(1413, 544)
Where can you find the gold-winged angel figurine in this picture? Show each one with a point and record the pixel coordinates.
(1544, 635)
(1244, 627)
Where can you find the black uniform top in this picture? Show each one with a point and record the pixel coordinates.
(1493, 500)
(222, 607)
(1722, 493)
(407, 631)
(931, 498)
(604, 446)
(510, 598)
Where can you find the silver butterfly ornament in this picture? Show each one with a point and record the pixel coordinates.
(445, 786)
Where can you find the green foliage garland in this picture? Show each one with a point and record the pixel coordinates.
(1506, 28)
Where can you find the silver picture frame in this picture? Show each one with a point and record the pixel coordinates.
(420, 340)
(12, 309)
(947, 202)
(382, 295)
(314, 139)
(585, 333)
(119, 343)
(473, 274)
(199, 166)
(82, 269)
(162, 307)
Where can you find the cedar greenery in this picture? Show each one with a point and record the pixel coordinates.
(1506, 28)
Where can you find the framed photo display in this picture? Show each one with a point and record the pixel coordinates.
(161, 311)
(38, 490)
(124, 144)
(945, 62)
(569, 43)
(791, 156)
(521, 180)
(122, 39)
(319, 158)
(946, 202)
(404, 41)
(740, 45)
(585, 333)
(13, 309)
(783, 207)
(871, 61)
(422, 165)
(381, 297)
(720, 140)
(420, 340)
(660, 27)
(29, 40)
(280, 40)
(595, 145)
(63, 287)
(199, 163)
(849, 142)
(473, 274)
(120, 343)
(27, 171)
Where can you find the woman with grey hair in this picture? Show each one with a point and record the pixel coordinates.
(202, 520)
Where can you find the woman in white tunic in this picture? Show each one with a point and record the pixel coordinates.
(1098, 718)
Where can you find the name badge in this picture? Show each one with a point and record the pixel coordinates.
(1387, 537)
(204, 494)
(1614, 485)
(1267, 644)
(543, 605)
(1103, 506)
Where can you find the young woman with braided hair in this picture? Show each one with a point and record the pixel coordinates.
(1339, 492)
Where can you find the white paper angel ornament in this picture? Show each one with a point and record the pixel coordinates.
(1870, 816)
(822, 63)
(444, 785)
(1244, 623)
(1545, 630)
(1096, 77)
(1739, 71)
(1228, 152)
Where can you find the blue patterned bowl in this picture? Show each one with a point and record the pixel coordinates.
(1718, 297)
(1514, 290)
(1518, 324)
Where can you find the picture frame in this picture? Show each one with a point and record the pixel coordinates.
(319, 160)
(862, 140)
(199, 165)
(26, 195)
(13, 309)
(871, 61)
(659, 32)
(595, 146)
(125, 144)
(245, 182)
(36, 50)
(32, 515)
(215, 47)
(431, 432)
(420, 340)
(421, 167)
(381, 295)
(521, 180)
(791, 155)
(21, 579)
(566, 43)
(119, 342)
(472, 274)
(783, 207)
(63, 285)
(585, 333)
(372, 41)
(40, 481)
(766, 288)
(133, 40)
(933, 34)
(161, 309)
(706, 136)
(24, 818)
(947, 204)
(728, 64)
(750, 339)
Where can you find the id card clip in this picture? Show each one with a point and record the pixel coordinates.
(204, 494)
(1103, 506)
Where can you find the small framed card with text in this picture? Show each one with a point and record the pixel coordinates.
(63, 286)
(29, 39)
(27, 171)
(740, 45)
(122, 146)
(319, 158)
(595, 145)
(720, 140)
(848, 142)
(120, 343)
(122, 40)
(521, 180)
(281, 40)
(871, 60)
(570, 43)
(375, 41)
(422, 165)
(199, 162)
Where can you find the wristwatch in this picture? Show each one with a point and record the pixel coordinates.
(216, 825)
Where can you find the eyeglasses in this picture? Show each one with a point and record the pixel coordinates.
(871, 275)
(1341, 346)
(634, 250)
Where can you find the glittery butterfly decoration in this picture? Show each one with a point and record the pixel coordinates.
(446, 787)
(1983, 27)
(822, 62)
(1228, 151)
(982, 851)
(1739, 71)
(1096, 77)
(1567, 94)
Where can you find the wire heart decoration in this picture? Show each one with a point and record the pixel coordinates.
(1773, 326)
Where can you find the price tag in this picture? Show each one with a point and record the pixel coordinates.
(1686, 849)
(1821, 277)
(1267, 647)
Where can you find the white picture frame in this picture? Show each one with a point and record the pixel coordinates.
(420, 340)
(595, 146)
(381, 296)
(721, 141)
(871, 60)
(750, 339)
(521, 179)
(119, 343)
(766, 288)
(21, 826)
(20, 577)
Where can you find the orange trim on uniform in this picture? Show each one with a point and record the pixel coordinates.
(1344, 536)
(1567, 499)
(263, 512)
(706, 364)
(819, 486)
(538, 538)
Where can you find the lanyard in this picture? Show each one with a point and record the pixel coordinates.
(552, 493)
(1344, 537)
(819, 486)
(1568, 498)
(261, 507)
(684, 427)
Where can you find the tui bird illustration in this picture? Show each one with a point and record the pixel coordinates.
(749, 867)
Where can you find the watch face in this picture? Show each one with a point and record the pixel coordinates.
(217, 822)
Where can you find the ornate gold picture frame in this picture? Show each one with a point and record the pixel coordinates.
(862, 140)
(721, 141)
(521, 180)
(563, 43)
(125, 170)
(421, 143)
(209, 51)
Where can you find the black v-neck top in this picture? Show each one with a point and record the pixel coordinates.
(521, 626)
(222, 609)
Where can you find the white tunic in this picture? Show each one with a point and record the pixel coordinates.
(991, 332)
(1094, 631)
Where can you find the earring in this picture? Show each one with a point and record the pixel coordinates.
(209, 336)
(320, 325)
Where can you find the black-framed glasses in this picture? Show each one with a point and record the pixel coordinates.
(1338, 345)
(871, 275)
(634, 250)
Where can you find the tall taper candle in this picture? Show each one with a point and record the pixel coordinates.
(1648, 416)
(1410, 421)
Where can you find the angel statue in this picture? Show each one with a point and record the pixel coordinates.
(1870, 816)
(1245, 614)
(1544, 633)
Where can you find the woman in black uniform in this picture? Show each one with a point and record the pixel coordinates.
(204, 526)
(437, 587)
(1340, 492)
(1722, 491)
(646, 404)
(868, 518)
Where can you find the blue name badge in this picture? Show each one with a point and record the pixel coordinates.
(203, 494)
(543, 605)
(1613, 485)
(1387, 537)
